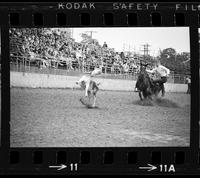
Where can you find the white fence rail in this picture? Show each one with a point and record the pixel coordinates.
(21, 64)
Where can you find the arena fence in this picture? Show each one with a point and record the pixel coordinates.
(108, 71)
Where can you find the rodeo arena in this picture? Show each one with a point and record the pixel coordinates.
(66, 93)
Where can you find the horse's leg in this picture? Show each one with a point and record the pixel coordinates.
(144, 94)
(150, 97)
(163, 89)
(157, 91)
(140, 95)
(149, 93)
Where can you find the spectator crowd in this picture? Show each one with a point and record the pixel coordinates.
(60, 48)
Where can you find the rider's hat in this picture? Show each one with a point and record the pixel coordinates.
(143, 63)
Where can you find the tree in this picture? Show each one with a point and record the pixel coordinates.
(174, 61)
(168, 53)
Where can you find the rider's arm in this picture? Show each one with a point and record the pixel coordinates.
(166, 69)
(151, 71)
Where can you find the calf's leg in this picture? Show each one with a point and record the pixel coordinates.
(94, 102)
(87, 89)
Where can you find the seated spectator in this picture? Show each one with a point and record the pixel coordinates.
(105, 45)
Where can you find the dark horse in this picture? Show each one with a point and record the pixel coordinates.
(145, 85)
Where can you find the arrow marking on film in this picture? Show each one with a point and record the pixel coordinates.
(150, 168)
(62, 166)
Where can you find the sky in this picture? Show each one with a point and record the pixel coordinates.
(133, 38)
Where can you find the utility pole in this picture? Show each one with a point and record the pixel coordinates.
(145, 50)
(91, 32)
(175, 56)
(123, 47)
(72, 32)
(134, 51)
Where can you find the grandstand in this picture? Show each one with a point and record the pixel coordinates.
(54, 51)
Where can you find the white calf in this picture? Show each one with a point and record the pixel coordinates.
(90, 87)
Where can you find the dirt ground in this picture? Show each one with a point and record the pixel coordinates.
(56, 118)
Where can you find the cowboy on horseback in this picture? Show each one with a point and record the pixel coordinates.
(163, 73)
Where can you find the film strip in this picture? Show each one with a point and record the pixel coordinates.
(44, 127)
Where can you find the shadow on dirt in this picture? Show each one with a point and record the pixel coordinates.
(157, 102)
(87, 104)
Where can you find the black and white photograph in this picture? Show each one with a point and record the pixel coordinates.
(100, 87)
